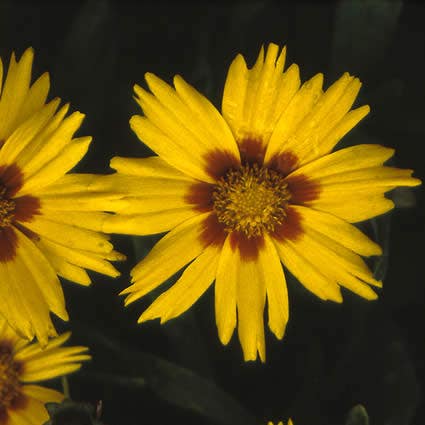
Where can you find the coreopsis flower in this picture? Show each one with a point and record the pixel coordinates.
(243, 192)
(21, 365)
(50, 221)
(281, 423)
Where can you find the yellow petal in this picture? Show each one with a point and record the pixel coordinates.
(169, 113)
(154, 205)
(349, 159)
(283, 136)
(26, 308)
(174, 150)
(254, 99)
(82, 202)
(251, 298)
(86, 259)
(340, 129)
(306, 142)
(35, 348)
(148, 223)
(234, 95)
(336, 115)
(177, 248)
(53, 363)
(43, 275)
(354, 207)
(352, 183)
(43, 394)
(51, 141)
(35, 98)
(32, 413)
(363, 197)
(147, 187)
(25, 133)
(211, 126)
(1, 75)
(359, 180)
(43, 137)
(7, 333)
(289, 85)
(338, 230)
(153, 166)
(334, 262)
(14, 310)
(49, 172)
(299, 263)
(338, 263)
(91, 220)
(277, 293)
(175, 132)
(14, 92)
(69, 236)
(260, 101)
(80, 193)
(195, 280)
(225, 293)
(65, 269)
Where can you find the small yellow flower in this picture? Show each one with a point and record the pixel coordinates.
(281, 423)
(50, 221)
(243, 192)
(22, 364)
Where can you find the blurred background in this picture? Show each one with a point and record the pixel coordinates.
(332, 356)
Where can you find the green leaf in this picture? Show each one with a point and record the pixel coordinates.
(171, 382)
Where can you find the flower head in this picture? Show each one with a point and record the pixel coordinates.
(50, 221)
(22, 364)
(281, 423)
(242, 192)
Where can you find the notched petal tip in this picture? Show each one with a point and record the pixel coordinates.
(415, 181)
(139, 91)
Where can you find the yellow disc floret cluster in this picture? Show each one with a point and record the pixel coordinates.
(6, 209)
(251, 200)
(9, 377)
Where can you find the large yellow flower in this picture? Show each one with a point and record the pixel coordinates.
(22, 364)
(242, 192)
(49, 220)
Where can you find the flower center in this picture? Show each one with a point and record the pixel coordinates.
(10, 387)
(7, 207)
(251, 200)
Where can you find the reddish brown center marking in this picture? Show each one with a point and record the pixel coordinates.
(251, 198)
(14, 211)
(10, 386)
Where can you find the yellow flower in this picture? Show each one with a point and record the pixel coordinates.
(242, 192)
(49, 222)
(22, 364)
(281, 423)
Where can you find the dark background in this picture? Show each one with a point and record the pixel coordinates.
(333, 356)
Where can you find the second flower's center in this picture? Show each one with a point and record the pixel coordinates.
(7, 208)
(251, 200)
(10, 387)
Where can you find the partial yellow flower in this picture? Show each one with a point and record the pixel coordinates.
(243, 192)
(50, 221)
(23, 363)
(281, 423)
